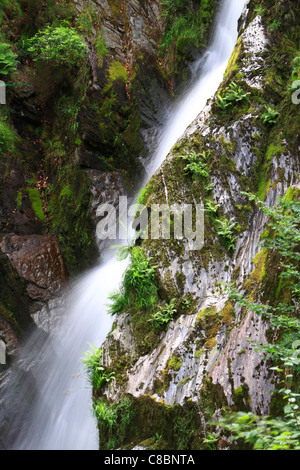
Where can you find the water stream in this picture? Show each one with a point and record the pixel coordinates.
(61, 418)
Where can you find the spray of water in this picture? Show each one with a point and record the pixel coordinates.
(61, 417)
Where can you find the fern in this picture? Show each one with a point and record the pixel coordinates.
(8, 60)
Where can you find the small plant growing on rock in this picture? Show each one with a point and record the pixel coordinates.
(270, 116)
(225, 231)
(8, 62)
(138, 288)
(96, 374)
(211, 207)
(106, 414)
(197, 164)
(234, 95)
(164, 314)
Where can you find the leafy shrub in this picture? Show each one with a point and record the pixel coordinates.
(8, 59)
(296, 68)
(60, 45)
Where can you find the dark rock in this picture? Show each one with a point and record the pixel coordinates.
(38, 260)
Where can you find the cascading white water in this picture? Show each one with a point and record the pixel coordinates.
(212, 67)
(62, 418)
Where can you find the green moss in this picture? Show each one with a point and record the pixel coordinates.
(163, 383)
(205, 317)
(174, 426)
(233, 61)
(116, 72)
(242, 399)
(7, 135)
(292, 194)
(70, 218)
(263, 189)
(265, 234)
(199, 353)
(274, 150)
(174, 363)
(259, 273)
(37, 203)
(227, 314)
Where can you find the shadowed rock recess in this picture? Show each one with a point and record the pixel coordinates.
(74, 136)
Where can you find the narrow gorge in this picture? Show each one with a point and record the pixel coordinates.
(157, 345)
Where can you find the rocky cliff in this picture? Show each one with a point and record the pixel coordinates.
(74, 137)
(173, 384)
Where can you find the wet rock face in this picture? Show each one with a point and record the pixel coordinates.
(134, 24)
(37, 259)
(213, 341)
(107, 187)
(128, 92)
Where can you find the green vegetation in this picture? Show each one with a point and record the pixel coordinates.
(174, 363)
(70, 217)
(114, 421)
(296, 68)
(105, 414)
(8, 59)
(270, 116)
(60, 45)
(7, 135)
(97, 375)
(234, 95)
(225, 231)
(101, 49)
(186, 24)
(163, 315)
(37, 203)
(117, 72)
(274, 25)
(139, 286)
(211, 207)
(280, 431)
(197, 164)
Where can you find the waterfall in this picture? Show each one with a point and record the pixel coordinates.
(61, 417)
